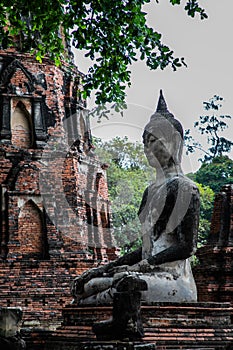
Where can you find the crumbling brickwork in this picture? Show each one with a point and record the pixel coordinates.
(214, 274)
(54, 205)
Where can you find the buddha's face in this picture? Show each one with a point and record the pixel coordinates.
(162, 143)
(157, 150)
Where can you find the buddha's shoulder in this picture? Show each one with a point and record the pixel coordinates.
(182, 183)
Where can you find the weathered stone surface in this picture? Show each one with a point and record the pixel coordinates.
(10, 321)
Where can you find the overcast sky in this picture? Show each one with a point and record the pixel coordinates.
(208, 50)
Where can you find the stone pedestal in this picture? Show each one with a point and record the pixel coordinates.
(167, 326)
(191, 325)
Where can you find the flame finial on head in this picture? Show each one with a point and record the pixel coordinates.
(162, 106)
(163, 112)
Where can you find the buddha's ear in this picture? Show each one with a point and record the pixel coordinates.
(178, 147)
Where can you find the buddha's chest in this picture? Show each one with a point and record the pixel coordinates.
(154, 218)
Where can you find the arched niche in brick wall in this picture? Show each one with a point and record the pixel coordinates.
(21, 127)
(31, 232)
(16, 78)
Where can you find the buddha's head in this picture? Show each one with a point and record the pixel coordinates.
(163, 137)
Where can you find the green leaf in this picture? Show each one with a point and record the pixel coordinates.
(175, 2)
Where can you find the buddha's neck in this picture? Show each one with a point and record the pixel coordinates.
(167, 172)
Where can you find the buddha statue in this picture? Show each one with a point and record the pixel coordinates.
(169, 216)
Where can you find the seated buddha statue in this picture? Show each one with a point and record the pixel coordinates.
(169, 216)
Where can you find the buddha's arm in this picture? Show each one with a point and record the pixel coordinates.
(173, 253)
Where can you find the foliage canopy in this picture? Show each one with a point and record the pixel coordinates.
(211, 125)
(113, 36)
(215, 174)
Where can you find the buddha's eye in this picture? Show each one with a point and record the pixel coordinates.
(152, 139)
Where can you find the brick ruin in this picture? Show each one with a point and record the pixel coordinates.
(214, 274)
(54, 205)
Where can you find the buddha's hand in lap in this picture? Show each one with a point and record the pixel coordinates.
(143, 266)
(77, 286)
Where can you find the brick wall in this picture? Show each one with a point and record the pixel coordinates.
(40, 288)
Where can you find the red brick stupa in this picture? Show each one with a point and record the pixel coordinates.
(54, 206)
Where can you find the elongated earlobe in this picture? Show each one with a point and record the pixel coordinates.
(177, 147)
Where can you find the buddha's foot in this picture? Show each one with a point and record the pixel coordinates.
(126, 318)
